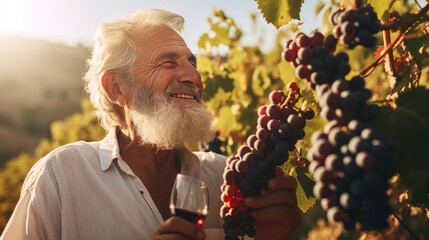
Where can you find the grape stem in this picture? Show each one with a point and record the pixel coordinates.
(291, 99)
(388, 64)
(403, 224)
(399, 39)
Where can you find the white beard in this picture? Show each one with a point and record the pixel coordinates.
(166, 126)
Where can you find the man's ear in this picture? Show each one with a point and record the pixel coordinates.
(113, 87)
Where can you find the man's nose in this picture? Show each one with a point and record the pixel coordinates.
(191, 75)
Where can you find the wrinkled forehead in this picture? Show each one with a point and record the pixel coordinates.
(152, 40)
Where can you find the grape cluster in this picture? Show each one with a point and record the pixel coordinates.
(312, 56)
(280, 125)
(354, 27)
(351, 166)
(351, 162)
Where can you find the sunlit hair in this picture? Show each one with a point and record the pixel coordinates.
(114, 50)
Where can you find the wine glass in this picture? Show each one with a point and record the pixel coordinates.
(189, 199)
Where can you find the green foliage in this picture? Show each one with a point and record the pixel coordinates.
(408, 127)
(11, 179)
(281, 12)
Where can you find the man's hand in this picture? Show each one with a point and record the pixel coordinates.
(275, 212)
(178, 228)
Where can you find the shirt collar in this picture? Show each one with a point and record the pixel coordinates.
(109, 151)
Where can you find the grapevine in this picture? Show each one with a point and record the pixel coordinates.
(280, 125)
(351, 162)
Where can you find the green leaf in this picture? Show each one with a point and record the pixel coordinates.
(279, 12)
(204, 41)
(304, 191)
(227, 122)
(381, 7)
(213, 84)
(260, 80)
(408, 128)
(418, 48)
(287, 72)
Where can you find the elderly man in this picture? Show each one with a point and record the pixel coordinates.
(143, 81)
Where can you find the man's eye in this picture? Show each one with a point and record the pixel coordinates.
(169, 64)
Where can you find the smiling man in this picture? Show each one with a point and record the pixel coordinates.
(143, 82)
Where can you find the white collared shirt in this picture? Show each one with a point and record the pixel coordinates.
(85, 190)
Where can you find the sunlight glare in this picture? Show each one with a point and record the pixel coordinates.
(11, 16)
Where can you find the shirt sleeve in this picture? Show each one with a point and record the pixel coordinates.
(24, 223)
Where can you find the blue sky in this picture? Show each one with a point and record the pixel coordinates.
(74, 21)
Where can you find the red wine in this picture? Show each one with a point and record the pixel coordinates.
(194, 217)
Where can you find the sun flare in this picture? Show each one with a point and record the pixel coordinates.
(11, 16)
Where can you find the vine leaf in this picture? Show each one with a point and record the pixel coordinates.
(381, 7)
(408, 128)
(227, 121)
(212, 85)
(304, 191)
(419, 48)
(279, 12)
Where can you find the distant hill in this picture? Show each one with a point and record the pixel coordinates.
(40, 82)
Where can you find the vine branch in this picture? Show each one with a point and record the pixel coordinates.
(399, 39)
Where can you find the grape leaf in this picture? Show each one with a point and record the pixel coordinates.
(381, 7)
(213, 84)
(227, 121)
(408, 128)
(304, 191)
(418, 48)
(287, 72)
(280, 12)
(260, 80)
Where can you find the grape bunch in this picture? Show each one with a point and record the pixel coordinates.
(354, 27)
(351, 162)
(280, 125)
(313, 59)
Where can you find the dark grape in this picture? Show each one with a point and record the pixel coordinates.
(354, 27)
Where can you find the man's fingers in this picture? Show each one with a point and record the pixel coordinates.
(280, 182)
(176, 225)
(292, 214)
(277, 222)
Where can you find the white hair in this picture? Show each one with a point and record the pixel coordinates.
(114, 50)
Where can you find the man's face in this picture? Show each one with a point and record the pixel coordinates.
(166, 107)
(166, 66)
